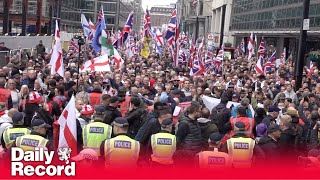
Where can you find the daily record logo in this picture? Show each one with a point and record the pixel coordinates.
(39, 155)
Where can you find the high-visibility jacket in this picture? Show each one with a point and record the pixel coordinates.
(163, 147)
(29, 142)
(94, 133)
(241, 151)
(214, 159)
(95, 99)
(249, 123)
(121, 151)
(11, 134)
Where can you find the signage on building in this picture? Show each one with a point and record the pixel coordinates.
(306, 24)
(210, 36)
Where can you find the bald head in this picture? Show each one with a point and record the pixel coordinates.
(12, 111)
(205, 113)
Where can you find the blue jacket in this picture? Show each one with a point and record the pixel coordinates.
(234, 112)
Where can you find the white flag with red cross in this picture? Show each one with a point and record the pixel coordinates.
(56, 61)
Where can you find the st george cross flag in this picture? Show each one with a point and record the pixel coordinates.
(117, 59)
(250, 47)
(56, 61)
(99, 64)
(68, 127)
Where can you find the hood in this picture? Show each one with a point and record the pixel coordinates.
(203, 120)
(5, 119)
(221, 106)
(266, 140)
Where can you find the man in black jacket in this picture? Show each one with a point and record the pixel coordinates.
(269, 144)
(135, 117)
(111, 110)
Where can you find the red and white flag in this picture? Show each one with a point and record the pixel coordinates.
(259, 66)
(99, 64)
(117, 59)
(68, 127)
(56, 61)
(283, 56)
(251, 47)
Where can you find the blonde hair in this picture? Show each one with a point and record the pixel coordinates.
(22, 88)
(285, 120)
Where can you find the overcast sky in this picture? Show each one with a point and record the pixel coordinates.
(151, 3)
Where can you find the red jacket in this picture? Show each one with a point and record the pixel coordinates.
(249, 122)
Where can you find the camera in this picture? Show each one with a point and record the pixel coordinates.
(81, 40)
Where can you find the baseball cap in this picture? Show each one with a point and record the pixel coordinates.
(86, 154)
(240, 126)
(166, 122)
(18, 118)
(87, 109)
(274, 108)
(120, 122)
(40, 123)
(261, 129)
(34, 97)
(273, 128)
(99, 110)
(114, 99)
(175, 91)
(215, 137)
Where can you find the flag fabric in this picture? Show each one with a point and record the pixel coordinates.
(261, 49)
(73, 46)
(283, 56)
(56, 60)
(220, 54)
(93, 30)
(158, 40)
(272, 58)
(131, 46)
(251, 47)
(106, 46)
(259, 66)
(68, 127)
(198, 67)
(219, 61)
(86, 27)
(96, 43)
(192, 52)
(194, 5)
(147, 36)
(209, 61)
(172, 37)
(117, 59)
(98, 64)
(242, 46)
(310, 70)
(123, 35)
(182, 58)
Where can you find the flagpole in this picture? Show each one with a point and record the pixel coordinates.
(197, 22)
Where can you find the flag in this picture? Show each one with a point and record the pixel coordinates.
(259, 66)
(198, 67)
(131, 46)
(56, 61)
(209, 61)
(73, 46)
(147, 37)
(242, 46)
(106, 46)
(93, 30)
(283, 56)
(171, 30)
(250, 47)
(220, 54)
(117, 59)
(96, 43)
(123, 35)
(68, 127)
(182, 58)
(194, 5)
(85, 26)
(272, 58)
(261, 49)
(98, 64)
(158, 38)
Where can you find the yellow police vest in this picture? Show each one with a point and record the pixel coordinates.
(121, 151)
(29, 142)
(11, 134)
(241, 151)
(94, 133)
(214, 159)
(163, 147)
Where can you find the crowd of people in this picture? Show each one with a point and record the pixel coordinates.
(133, 115)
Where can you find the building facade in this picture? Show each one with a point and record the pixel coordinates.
(221, 14)
(160, 15)
(192, 19)
(279, 21)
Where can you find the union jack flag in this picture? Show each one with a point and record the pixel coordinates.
(122, 37)
(172, 26)
(182, 59)
(209, 61)
(198, 67)
(272, 58)
(262, 49)
(73, 46)
(220, 55)
(259, 66)
(147, 25)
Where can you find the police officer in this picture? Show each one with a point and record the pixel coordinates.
(213, 158)
(242, 148)
(97, 131)
(163, 144)
(120, 150)
(10, 134)
(36, 138)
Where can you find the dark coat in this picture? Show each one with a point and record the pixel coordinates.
(111, 114)
(136, 120)
(271, 149)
